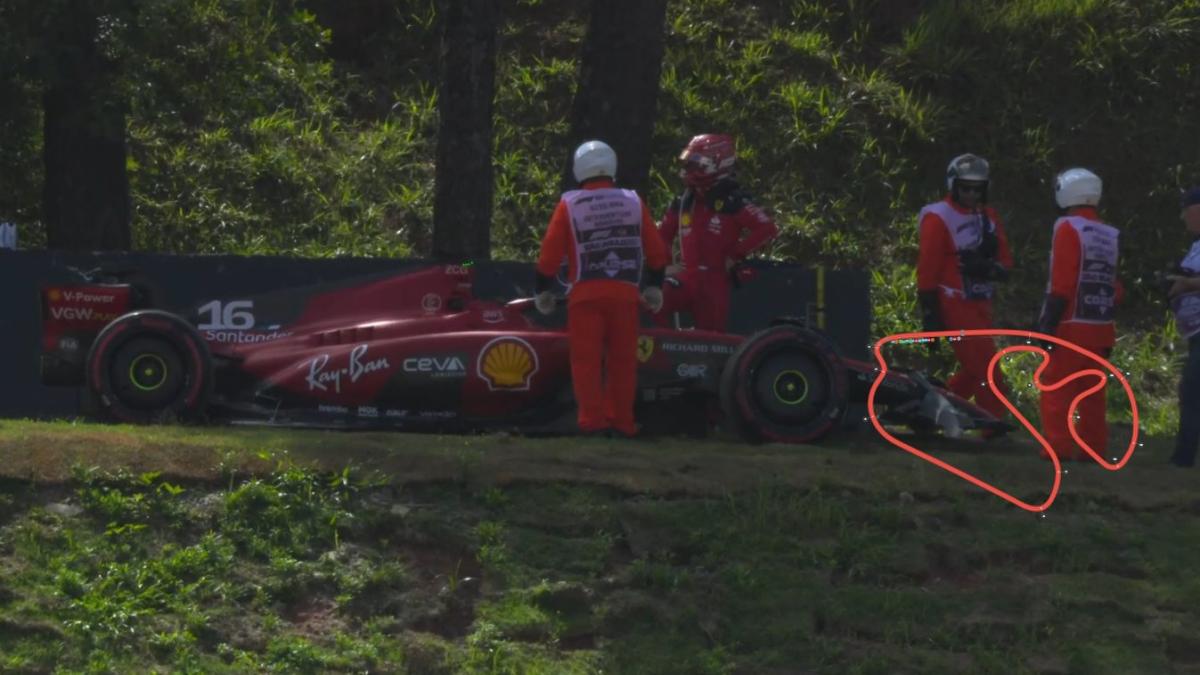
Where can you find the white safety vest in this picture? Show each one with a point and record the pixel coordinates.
(606, 225)
(966, 231)
(1096, 287)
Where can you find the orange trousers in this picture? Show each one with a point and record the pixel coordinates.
(603, 335)
(974, 354)
(1091, 423)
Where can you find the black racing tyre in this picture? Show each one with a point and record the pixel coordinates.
(150, 366)
(785, 384)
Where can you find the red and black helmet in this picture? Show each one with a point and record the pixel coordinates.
(707, 159)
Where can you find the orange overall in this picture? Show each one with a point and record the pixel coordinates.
(1083, 260)
(947, 229)
(603, 301)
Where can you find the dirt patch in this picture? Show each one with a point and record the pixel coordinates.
(16, 628)
(577, 642)
(1183, 649)
(314, 616)
(667, 467)
(949, 565)
(449, 585)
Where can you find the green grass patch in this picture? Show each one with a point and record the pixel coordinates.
(814, 558)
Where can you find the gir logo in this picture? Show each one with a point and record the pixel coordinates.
(507, 364)
(645, 348)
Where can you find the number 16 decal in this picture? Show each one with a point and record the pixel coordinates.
(235, 315)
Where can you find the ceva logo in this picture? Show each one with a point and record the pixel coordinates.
(437, 366)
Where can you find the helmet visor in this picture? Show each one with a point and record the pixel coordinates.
(697, 163)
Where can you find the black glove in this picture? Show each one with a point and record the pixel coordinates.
(931, 316)
(1052, 310)
(656, 277)
(931, 311)
(542, 283)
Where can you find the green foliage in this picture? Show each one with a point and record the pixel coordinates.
(266, 158)
(140, 577)
(287, 513)
(255, 127)
(825, 570)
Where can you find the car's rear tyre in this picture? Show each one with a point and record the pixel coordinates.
(785, 384)
(150, 366)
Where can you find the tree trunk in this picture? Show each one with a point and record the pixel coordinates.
(618, 85)
(86, 203)
(462, 206)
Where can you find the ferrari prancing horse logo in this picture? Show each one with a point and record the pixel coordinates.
(645, 348)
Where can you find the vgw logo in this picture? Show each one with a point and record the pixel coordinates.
(80, 314)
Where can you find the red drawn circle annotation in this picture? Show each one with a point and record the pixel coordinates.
(1037, 380)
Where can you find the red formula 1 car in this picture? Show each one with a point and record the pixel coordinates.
(418, 351)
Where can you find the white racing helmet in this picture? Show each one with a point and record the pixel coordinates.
(593, 159)
(1077, 187)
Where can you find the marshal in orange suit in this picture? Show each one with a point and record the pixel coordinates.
(1080, 305)
(963, 253)
(607, 236)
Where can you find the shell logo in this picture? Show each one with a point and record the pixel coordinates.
(507, 364)
(55, 295)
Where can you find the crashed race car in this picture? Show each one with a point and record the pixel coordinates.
(418, 351)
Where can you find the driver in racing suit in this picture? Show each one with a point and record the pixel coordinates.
(710, 218)
(963, 252)
(606, 234)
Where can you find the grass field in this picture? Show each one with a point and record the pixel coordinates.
(245, 550)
